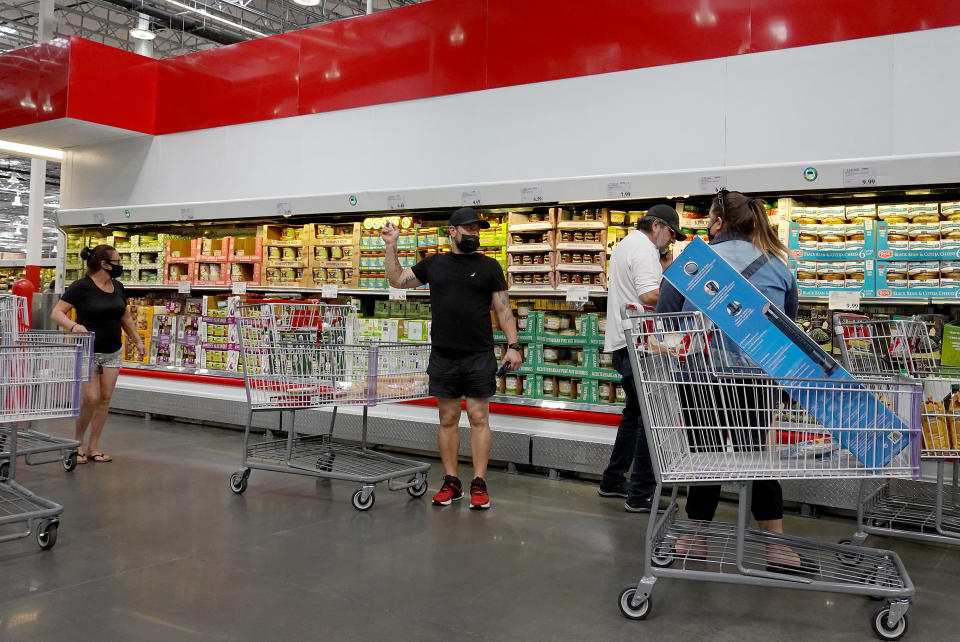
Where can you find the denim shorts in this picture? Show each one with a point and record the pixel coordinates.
(103, 360)
(455, 374)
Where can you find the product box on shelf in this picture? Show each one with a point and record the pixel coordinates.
(283, 235)
(162, 352)
(610, 392)
(342, 256)
(582, 219)
(429, 237)
(835, 275)
(694, 217)
(182, 250)
(526, 327)
(833, 242)
(521, 385)
(493, 237)
(921, 279)
(531, 240)
(918, 241)
(531, 260)
(334, 234)
(566, 329)
(129, 351)
(541, 218)
(186, 355)
(541, 280)
(566, 361)
(163, 325)
(150, 242)
(574, 389)
(148, 259)
(218, 330)
(287, 277)
(210, 273)
(244, 272)
(587, 276)
(246, 248)
(219, 356)
(583, 240)
(177, 271)
(214, 250)
(582, 260)
(287, 256)
(188, 329)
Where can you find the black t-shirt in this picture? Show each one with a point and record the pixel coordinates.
(461, 291)
(98, 311)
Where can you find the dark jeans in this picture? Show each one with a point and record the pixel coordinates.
(630, 446)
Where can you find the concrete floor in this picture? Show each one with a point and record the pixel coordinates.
(154, 546)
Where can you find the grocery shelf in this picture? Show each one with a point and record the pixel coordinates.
(557, 404)
(352, 292)
(887, 300)
(19, 263)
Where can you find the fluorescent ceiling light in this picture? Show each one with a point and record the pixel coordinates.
(307, 3)
(30, 151)
(142, 34)
(206, 14)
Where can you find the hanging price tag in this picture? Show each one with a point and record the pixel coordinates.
(98, 218)
(183, 287)
(845, 301)
(329, 291)
(186, 214)
(396, 202)
(710, 184)
(619, 189)
(532, 194)
(471, 198)
(398, 294)
(859, 177)
(284, 208)
(578, 294)
(239, 288)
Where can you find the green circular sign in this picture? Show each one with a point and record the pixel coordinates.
(353, 199)
(810, 174)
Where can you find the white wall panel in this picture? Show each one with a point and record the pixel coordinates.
(810, 103)
(926, 92)
(838, 101)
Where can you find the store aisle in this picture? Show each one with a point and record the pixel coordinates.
(154, 546)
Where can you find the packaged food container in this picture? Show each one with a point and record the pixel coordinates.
(319, 275)
(606, 359)
(949, 211)
(577, 323)
(512, 385)
(576, 356)
(576, 279)
(214, 271)
(565, 388)
(498, 351)
(273, 253)
(549, 387)
(236, 272)
(617, 217)
(621, 395)
(892, 213)
(831, 274)
(832, 215)
(577, 215)
(564, 321)
(860, 213)
(552, 322)
(602, 323)
(551, 354)
(855, 274)
(564, 277)
(336, 253)
(204, 272)
(527, 259)
(576, 257)
(335, 276)
(923, 212)
(565, 257)
(604, 388)
(524, 309)
(566, 237)
(288, 274)
(923, 274)
(897, 274)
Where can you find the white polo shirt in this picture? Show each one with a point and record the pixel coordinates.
(634, 270)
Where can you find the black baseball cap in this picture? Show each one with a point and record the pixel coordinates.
(467, 215)
(669, 217)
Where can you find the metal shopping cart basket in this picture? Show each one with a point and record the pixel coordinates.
(710, 422)
(301, 355)
(33, 446)
(917, 510)
(37, 381)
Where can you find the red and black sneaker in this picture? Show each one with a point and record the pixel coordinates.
(479, 500)
(451, 491)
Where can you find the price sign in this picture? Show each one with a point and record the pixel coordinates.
(284, 208)
(186, 214)
(98, 218)
(329, 291)
(859, 177)
(239, 287)
(619, 189)
(532, 194)
(578, 294)
(396, 202)
(183, 287)
(710, 184)
(845, 301)
(471, 198)
(398, 294)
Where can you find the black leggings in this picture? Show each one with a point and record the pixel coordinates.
(743, 409)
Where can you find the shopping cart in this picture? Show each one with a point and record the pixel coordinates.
(708, 421)
(917, 510)
(37, 447)
(302, 355)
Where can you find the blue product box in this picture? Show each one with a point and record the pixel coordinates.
(783, 351)
(943, 249)
(886, 289)
(822, 249)
(867, 289)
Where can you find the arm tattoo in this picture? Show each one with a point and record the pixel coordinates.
(409, 281)
(504, 300)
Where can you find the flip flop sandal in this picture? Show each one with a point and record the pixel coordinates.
(81, 458)
(100, 458)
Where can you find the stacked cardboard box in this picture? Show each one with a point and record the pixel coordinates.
(333, 254)
(285, 260)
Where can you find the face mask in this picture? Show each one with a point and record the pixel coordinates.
(468, 243)
(115, 271)
(710, 233)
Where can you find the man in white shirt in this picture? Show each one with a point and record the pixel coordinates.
(636, 268)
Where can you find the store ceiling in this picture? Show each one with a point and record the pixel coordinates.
(14, 181)
(177, 23)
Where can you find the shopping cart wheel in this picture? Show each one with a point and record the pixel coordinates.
(358, 502)
(638, 612)
(420, 489)
(47, 533)
(4, 469)
(238, 482)
(882, 630)
(661, 557)
(850, 559)
(70, 461)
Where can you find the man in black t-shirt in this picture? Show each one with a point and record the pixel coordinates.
(464, 285)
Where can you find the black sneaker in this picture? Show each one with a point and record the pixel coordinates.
(618, 492)
(449, 492)
(643, 505)
(479, 499)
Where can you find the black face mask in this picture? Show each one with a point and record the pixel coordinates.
(710, 233)
(115, 271)
(468, 243)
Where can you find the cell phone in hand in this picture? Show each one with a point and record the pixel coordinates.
(504, 369)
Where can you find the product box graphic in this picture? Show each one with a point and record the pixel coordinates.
(841, 242)
(856, 418)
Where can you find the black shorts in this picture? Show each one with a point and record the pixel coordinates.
(455, 374)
